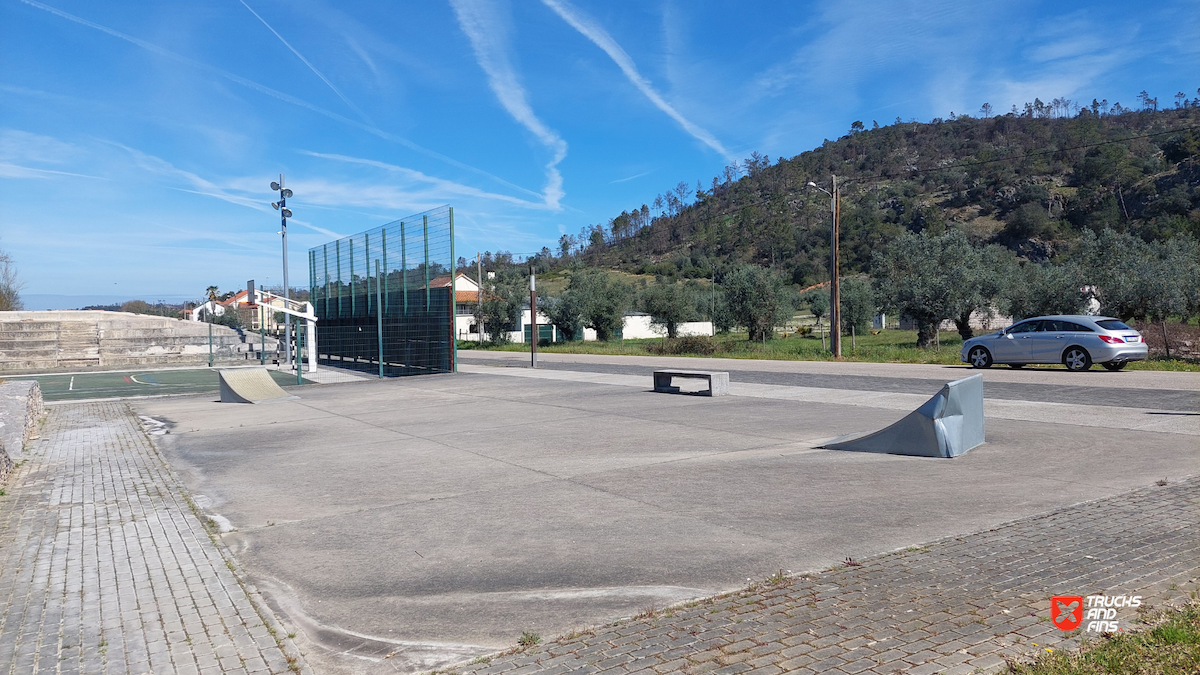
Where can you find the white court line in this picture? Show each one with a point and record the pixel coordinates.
(72, 387)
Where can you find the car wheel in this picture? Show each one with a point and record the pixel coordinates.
(979, 357)
(1115, 365)
(1016, 366)
(1076, 359)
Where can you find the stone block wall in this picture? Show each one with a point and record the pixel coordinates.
(21, 409)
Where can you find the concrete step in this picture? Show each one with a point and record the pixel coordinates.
(78, 363)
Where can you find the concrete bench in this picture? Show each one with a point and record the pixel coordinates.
(718, 382)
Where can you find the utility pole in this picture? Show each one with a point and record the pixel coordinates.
(835, 290)
(533, 329)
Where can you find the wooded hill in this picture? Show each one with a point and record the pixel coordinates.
(1031, 180)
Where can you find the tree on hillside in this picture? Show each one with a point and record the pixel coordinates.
(10, 286)
(668, 304)
(757, 299)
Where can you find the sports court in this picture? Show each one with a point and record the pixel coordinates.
(436, 518)
(111, 384)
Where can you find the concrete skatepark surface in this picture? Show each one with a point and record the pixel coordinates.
(436, 518)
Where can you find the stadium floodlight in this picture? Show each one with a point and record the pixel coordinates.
(284, 214)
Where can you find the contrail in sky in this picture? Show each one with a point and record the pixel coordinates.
(600, 37)
(287, 98)
(310, 65)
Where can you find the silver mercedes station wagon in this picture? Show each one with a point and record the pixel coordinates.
(1075, 341)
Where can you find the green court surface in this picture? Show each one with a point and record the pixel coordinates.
(135, 383)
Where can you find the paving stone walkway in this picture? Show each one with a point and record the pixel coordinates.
(104, 567)
(956, 606)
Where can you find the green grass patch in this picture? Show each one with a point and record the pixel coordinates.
(889, 346)
(1164, 642)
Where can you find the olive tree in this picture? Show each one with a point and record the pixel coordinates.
(500, 310)
(858, 304)
(668, 304)
(593, 299)
(1038, 289)
(927, 278)
(566, 313)
(757, 299)
(818, 303)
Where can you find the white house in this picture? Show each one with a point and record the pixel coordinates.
(636, 325)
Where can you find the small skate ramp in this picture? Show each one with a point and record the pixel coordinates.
(250, 385)
(947, 425)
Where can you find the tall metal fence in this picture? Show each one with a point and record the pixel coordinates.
(381, 306)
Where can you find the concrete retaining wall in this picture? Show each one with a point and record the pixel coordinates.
(76, 339)
(21, 408)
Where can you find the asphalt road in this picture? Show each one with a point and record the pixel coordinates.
(1175, 400)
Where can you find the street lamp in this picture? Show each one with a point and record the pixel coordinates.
(284, 214)
(835, 307)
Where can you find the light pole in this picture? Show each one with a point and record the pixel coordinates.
(835, 306)
(284, 214)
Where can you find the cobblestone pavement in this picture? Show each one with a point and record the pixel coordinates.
(104, 567)
(956, 606)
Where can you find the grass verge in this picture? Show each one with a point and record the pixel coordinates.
(1167, 642)
(889, 346)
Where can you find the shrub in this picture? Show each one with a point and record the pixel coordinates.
(689, 344)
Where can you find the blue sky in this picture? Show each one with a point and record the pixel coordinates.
(138, 140)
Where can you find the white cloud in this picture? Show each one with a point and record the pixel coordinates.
(487, 29)
(593, 31)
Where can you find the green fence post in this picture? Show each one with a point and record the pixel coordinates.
(262, 334)
(404, 265)
(453, 298)
(379, 318)
(210, 351)
(386, 300)
(353, 302)
(426, 228)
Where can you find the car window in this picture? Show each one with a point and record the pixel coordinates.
(1027, 327)
(1078, 328)
(1112, 324)
(1051, 326)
